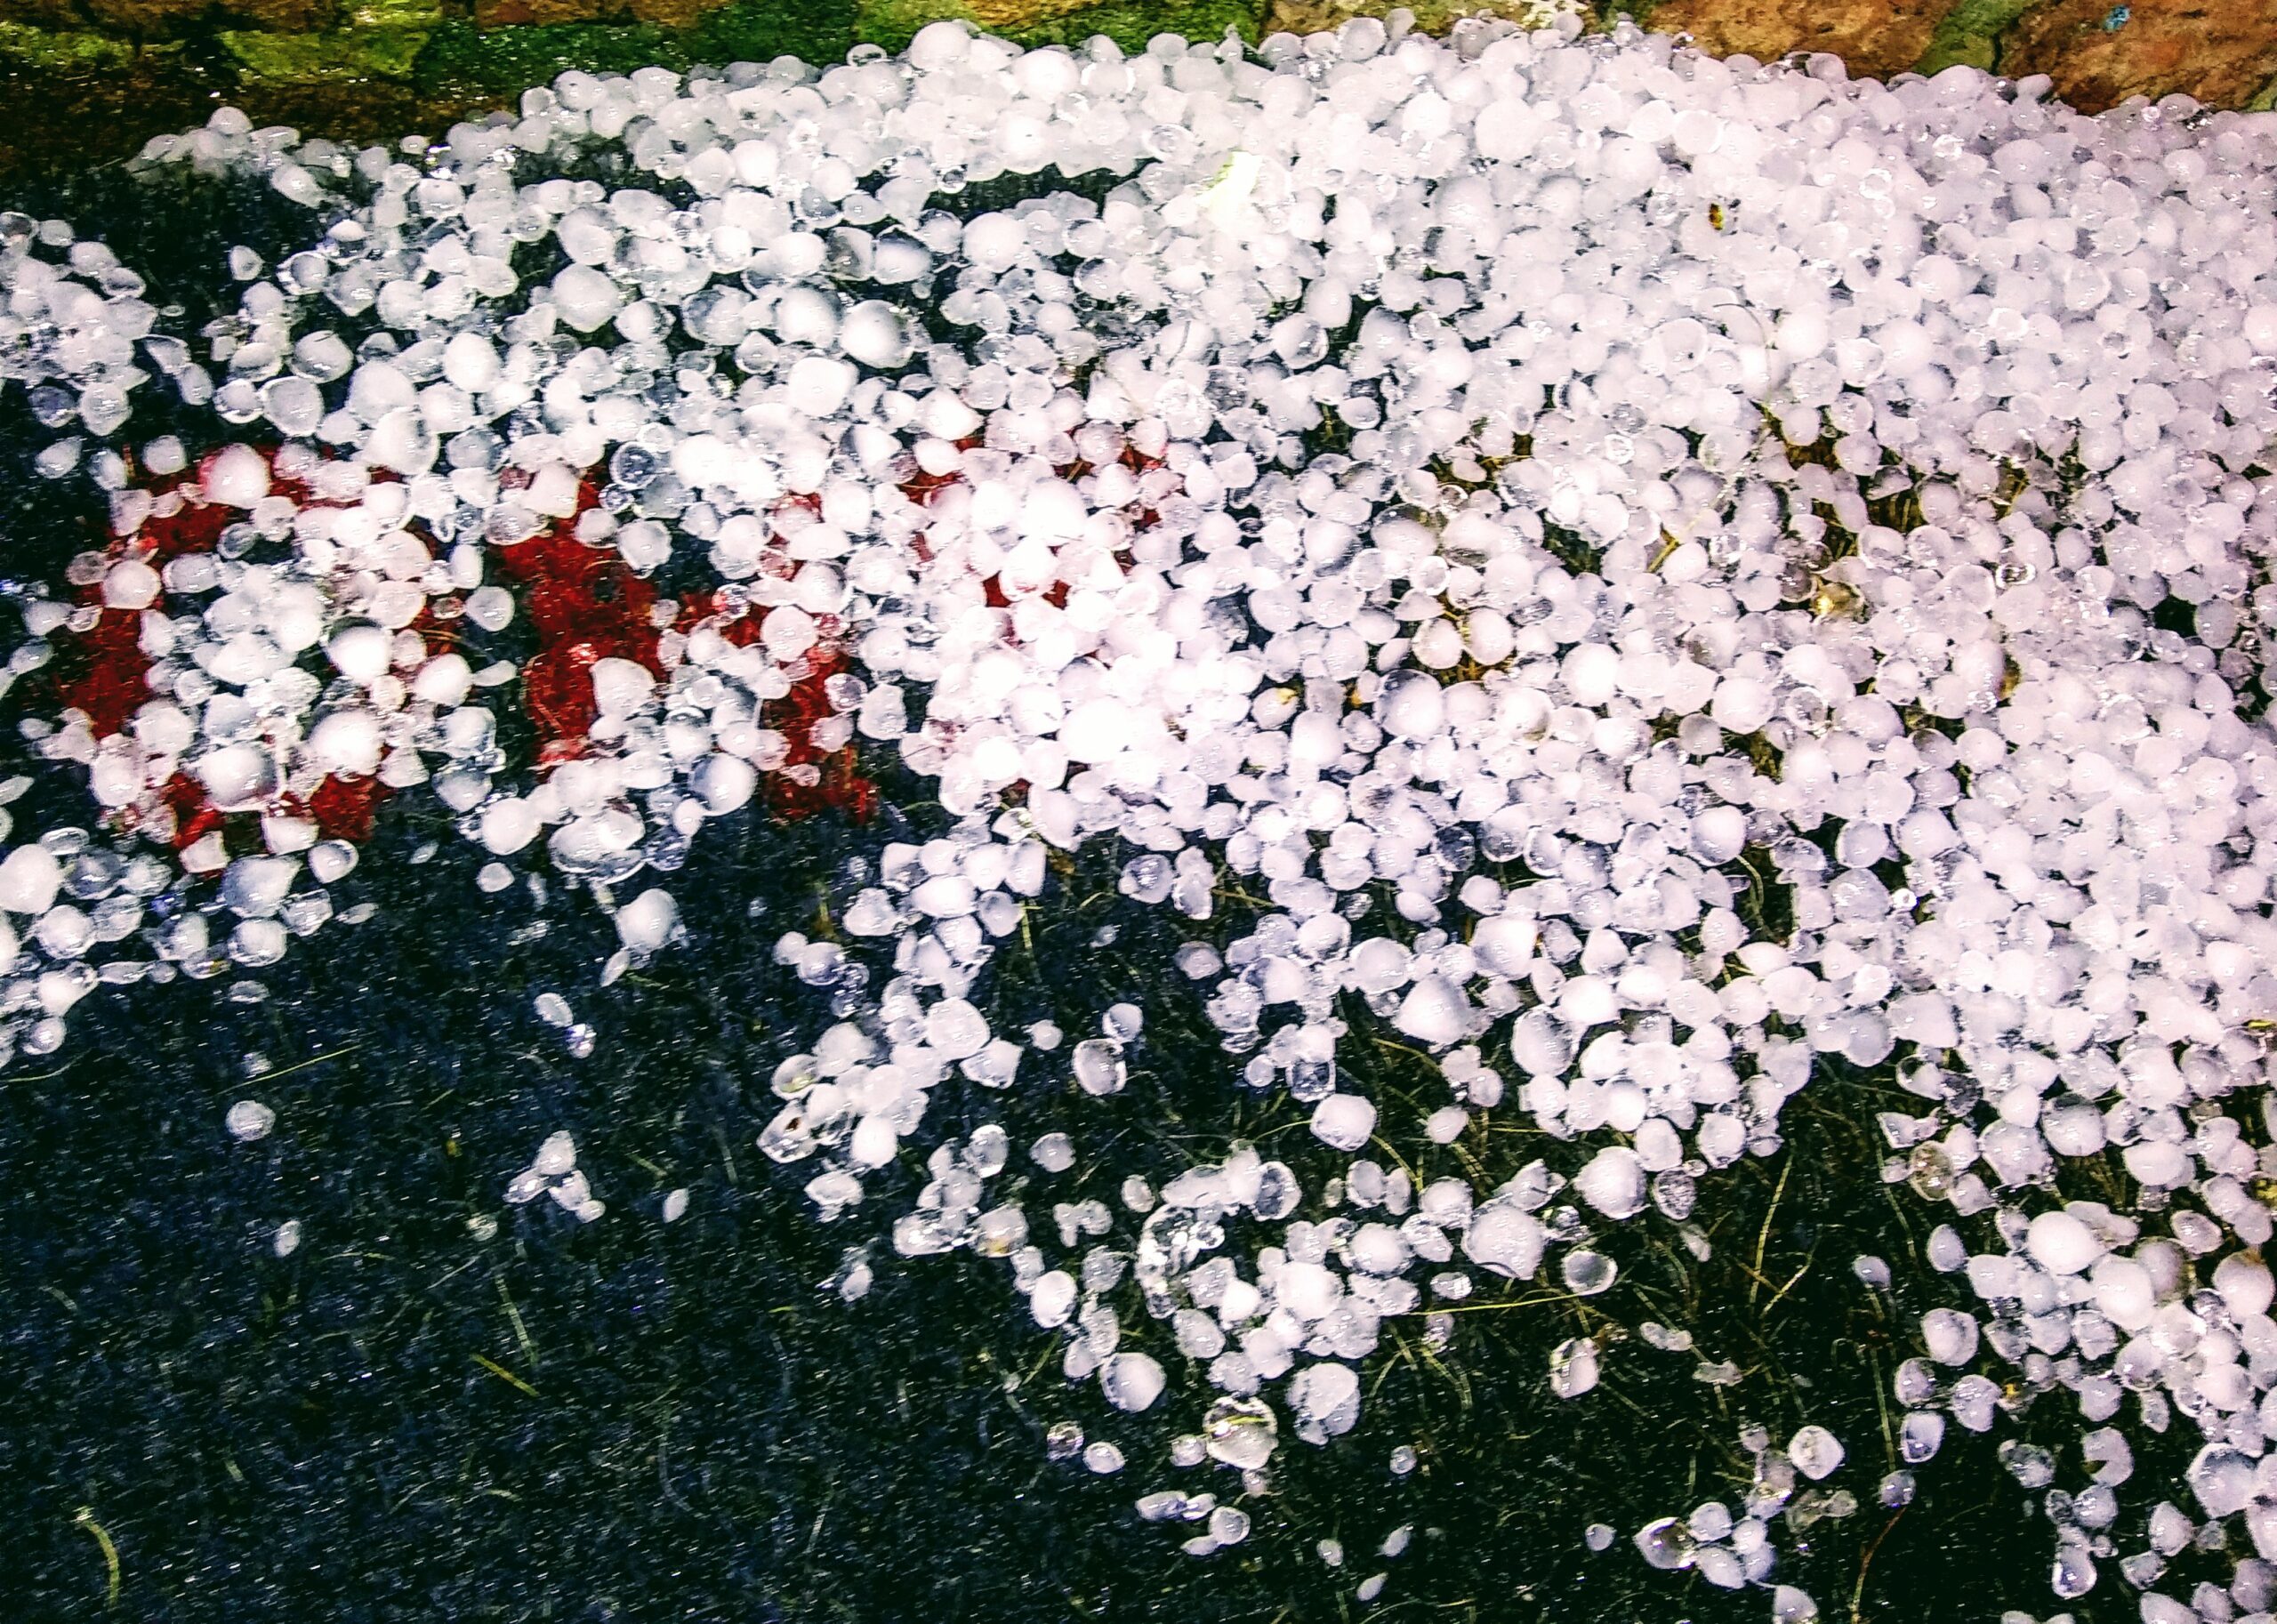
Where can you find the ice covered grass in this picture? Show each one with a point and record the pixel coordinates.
(1648, 580)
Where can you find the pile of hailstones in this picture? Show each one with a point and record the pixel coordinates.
(1562, 597)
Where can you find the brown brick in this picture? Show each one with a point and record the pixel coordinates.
(1874, 38)
(2220, 51)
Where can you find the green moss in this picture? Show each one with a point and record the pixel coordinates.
(1971, 33)
(388, 52)
(21, 43)
(461, 60)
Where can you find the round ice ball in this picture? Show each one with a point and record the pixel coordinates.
(876, 334)
(939, 47)
(30, 880)
(2061, 1244)
(1816, 1451)
(360, 652)
(131, 584)
(1411, 706)
(1612, 1181)
(819, 385)
(956, 1028)
(647, 922)
(1325, 1398)
(1344, 1121)
(249, 1120)
(1132, 1381)
(2244, 1283)
(584, 299)
(1949, 1335)
(508, 824)
(346, 742)
(236, 477)
(2125, 1292)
